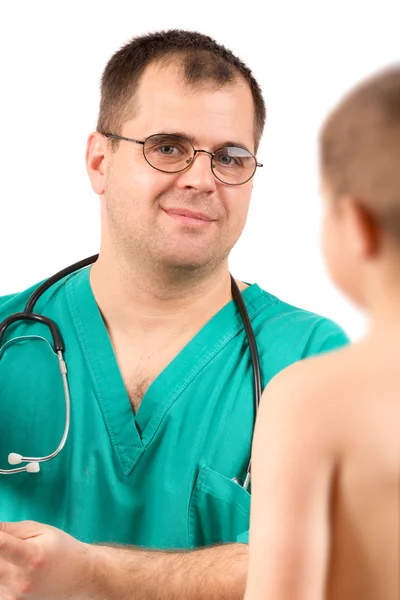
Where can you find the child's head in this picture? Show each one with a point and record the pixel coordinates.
(360, 168)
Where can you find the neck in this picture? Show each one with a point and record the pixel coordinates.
(137, 301)
(384, 302)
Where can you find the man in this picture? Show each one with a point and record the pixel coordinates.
(159, 368)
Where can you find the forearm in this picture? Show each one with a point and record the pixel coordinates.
(212, 573)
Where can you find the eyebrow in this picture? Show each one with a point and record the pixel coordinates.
(192, 140)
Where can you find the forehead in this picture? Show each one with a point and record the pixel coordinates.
(208, 113)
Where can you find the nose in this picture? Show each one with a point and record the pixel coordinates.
(199, 175)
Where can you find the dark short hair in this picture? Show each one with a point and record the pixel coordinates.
(360, 147)
(202, 58)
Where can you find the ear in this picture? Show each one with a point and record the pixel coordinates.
(363, 228)
(95, 161)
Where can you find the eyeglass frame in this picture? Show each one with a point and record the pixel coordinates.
(196, 151)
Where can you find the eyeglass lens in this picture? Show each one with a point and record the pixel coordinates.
(171, 154)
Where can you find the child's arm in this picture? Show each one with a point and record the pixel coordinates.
(292, 473)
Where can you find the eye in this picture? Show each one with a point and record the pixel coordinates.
(167, 150)
(163, 146)
(233, 157)
(225, 159)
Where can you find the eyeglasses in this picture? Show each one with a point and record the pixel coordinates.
(167, 153)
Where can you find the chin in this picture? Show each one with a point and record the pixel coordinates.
(357, 297)
(189, 265)
(186, 258)
(191, 262)
(350, 287)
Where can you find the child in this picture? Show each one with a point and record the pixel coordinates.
(326, 453)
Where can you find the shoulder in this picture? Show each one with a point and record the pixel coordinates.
(316, 332)
(287, 333)
(306, 396)
(16, 302)
(314, 376)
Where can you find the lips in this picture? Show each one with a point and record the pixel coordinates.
(190, 214)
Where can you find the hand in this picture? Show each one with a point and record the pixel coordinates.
(39, 562)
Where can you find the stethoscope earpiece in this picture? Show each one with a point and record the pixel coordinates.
(33, 467)
(17, 459)
(14, 459)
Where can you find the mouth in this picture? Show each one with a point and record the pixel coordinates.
(189, 217)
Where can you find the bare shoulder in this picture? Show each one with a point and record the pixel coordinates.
(309, 397)
(306, 380)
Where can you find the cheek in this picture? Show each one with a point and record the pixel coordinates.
(341, 262)
(133, 185)
(237, 202)
(334, 250)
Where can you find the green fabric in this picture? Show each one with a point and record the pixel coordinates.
(162, 479)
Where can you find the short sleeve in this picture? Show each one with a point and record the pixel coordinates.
(327, 336)
(243, 538)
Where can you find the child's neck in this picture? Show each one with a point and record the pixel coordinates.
(384, 302)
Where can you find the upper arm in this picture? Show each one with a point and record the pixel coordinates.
(291, 473)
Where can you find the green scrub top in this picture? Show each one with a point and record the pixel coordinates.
(160, 479)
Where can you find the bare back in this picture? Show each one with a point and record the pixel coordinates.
(326, 480)
(365, 525)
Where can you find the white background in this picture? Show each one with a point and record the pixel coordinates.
(304, 54)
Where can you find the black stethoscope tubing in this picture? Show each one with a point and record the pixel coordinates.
(59, 347)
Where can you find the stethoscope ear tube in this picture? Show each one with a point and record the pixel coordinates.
(29, 315)
(30, 305)
(24, 316)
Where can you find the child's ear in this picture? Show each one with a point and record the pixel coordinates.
(362, 227)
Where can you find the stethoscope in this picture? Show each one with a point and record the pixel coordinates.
(33, 462)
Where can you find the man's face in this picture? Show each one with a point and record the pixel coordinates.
(141, 205)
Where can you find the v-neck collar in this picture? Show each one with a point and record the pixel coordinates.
(129, 434)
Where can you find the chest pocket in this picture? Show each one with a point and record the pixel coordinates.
(219, 510)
